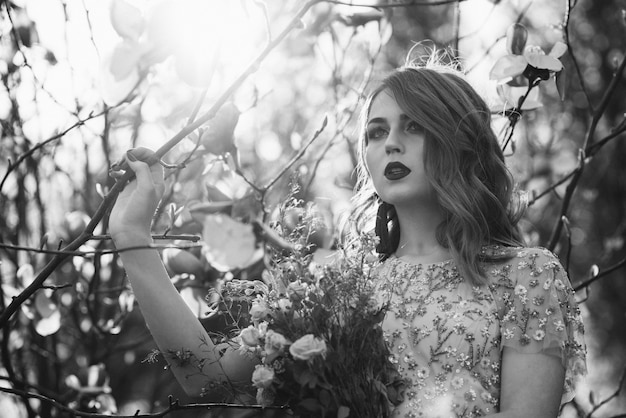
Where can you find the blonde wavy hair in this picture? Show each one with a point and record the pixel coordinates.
(463, 162)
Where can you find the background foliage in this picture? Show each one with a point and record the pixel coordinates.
(83, 81)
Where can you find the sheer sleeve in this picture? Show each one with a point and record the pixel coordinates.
(541, 315)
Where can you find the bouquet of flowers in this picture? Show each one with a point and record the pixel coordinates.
(315, 327)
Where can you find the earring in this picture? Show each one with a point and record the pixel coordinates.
(382, 229)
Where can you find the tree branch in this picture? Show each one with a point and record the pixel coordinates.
(601, 274)
(174, 405)
(110, 198)
(409, 3)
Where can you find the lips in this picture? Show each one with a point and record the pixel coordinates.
(396, 171)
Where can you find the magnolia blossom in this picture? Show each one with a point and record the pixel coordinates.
(518, 72)
(230, 244)
(263, 376)
(512, 65)
(138, 49)
(307, 347)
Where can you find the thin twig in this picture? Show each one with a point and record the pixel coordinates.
(581, 80)
(606, 98)
(296, 157)
(42, 144)
(592, 150)
(569, 192)
(89, 253)
(612, 396)
(173, 406)
(396, 4)
(601, 274)
(571, 187)
(185, 237)
(110, 198)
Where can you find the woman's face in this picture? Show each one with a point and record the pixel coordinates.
(394, 154)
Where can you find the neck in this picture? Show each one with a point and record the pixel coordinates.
(418, 239)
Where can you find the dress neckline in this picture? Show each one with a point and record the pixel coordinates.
(422, 265)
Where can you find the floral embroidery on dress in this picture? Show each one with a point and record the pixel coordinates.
(446, 335)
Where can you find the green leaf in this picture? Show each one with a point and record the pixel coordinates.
(343, 412)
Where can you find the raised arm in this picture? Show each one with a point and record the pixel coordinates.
(172, 324)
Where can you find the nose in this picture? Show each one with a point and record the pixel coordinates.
(393, 143)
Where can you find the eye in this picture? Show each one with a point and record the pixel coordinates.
(375, 132)
(414, 127)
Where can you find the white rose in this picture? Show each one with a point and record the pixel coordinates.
(263, 376)
(307, 347)
(258, 311)
(284, 304)
(274, 343)
(250, 336)
(296, 290)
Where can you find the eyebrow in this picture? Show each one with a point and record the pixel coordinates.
(403, 118)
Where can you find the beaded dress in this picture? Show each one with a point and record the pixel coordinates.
(446, 335)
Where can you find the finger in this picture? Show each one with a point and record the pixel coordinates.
(158, 178)
(144, 154)
(156, 170)
(143, 174)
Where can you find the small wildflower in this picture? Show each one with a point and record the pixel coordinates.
(559, 325)
(429, 394)
(486, 396)
(182, 356)
(547, 284)
(423, 373)
(520, 290)
(539, 335)
(457, 382)
(524, 339)
(470, 395)
(152, 357)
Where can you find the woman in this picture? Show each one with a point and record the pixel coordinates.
(477, 324)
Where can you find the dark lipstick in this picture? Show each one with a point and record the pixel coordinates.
(396, 171)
